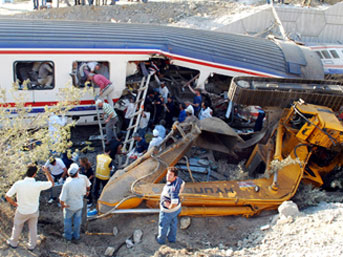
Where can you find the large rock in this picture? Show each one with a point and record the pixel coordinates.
(288, 208)
(109, 251)
(137, 236)
(129, 243)
(115, 231)
(185, 222)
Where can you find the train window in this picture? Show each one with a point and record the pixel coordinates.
(34, 75)
(320, 54)
(326, 54)
(334, 54)
(81, 69)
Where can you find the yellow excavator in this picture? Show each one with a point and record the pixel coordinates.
(303, 142)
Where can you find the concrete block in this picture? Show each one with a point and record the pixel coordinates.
(235, 27)
(311, 23)
(333, 19)
(137, 236)
(258, 22)
(331, 34)
(109, 251)
(335, 10)
(288, 14)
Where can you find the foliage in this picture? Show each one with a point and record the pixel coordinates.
(25, 137)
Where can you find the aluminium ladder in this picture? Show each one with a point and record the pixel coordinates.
(136, 117)
(100, 128)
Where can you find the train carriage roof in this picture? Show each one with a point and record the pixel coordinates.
(245, 52)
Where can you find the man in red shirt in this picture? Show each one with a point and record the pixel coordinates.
(104, 84)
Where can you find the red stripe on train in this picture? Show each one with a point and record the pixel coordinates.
(50, 103)
(131, 52)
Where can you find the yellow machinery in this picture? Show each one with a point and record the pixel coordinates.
(306, 144)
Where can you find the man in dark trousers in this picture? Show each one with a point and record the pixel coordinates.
(170, 207)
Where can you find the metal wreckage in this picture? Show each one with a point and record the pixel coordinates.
(301, 141)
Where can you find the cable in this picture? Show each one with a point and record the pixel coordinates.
(189, 169)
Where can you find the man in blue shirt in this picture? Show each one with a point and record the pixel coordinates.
(182, 115)
(141, 145)
(196, 100)
(170, 207)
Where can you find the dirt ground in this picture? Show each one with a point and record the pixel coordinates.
(203, 234)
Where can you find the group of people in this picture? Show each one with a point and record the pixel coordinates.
(48, 3)
(77, 177)
(75, 187)
(160, 112)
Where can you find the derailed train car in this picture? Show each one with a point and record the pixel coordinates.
(45, 53)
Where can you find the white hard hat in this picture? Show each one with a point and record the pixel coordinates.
(99, 101)
(155, 133)
(73, 169)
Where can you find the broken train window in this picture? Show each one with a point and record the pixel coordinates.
(81, 69)
(34, 75)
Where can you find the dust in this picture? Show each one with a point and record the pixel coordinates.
(233, 171)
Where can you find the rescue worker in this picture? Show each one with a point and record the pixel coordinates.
(156, 140)
(111, 120)
(170, 207)
(103, 171)
(105, 85)
(71, 199)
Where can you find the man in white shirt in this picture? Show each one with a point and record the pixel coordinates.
(130, 110)
(156, 140)
(164, 92)
(55, 123)
(143, 123)
(189, 108)
(27, 192)
(205, 112)
(58, 170)
(71, 199)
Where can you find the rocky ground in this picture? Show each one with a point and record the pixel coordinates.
(199, 14)
(315, 231)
